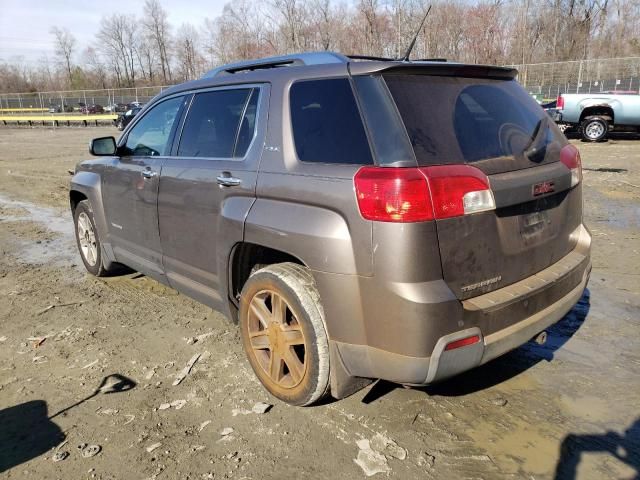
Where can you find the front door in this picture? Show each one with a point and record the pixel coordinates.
(208, 186)
(130, 188)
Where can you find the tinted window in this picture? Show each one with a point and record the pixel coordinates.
(494, 123)
(212, 124)
(326, 123)
(150, 136)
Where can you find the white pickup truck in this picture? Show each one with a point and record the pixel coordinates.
(595, 115)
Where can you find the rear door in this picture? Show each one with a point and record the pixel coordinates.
(494, 125)
(130, 188)
(208, 186)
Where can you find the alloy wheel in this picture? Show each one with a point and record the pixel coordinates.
(87, 239)
(277, 340)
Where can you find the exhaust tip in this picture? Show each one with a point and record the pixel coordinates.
(541, 338)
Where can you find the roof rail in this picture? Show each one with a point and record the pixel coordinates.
(307, 58)
(369, 57)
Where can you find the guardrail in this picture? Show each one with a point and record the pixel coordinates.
(56, 120)
(25, 109)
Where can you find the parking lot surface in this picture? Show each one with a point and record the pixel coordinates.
(90, 362)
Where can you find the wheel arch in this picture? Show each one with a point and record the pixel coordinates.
(87, 186)
(601, 110)
(244, 259)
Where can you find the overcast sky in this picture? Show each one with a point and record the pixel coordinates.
(25, 24)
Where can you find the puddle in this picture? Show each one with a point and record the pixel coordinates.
(59, 250)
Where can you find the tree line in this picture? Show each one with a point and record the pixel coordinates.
(148, 49)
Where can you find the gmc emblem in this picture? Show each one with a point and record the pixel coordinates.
(542, 188)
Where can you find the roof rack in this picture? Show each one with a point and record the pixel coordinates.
(310, 58)
(297, 59)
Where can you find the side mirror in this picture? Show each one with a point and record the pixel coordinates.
(103, 146)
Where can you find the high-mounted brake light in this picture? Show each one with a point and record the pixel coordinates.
(389, 194)
(560, 102)
(570, 156)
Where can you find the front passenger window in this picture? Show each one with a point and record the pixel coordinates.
(150, 136)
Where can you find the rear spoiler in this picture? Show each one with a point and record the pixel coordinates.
(434, 68)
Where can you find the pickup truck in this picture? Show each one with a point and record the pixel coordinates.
(595, 115)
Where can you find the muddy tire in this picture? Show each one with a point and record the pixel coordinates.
(87, 239)
(594, 129)
(283, 333)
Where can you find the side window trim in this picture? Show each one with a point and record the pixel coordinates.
(252, 88)
(180, 125)
(239, 127)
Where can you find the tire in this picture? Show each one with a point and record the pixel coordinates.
(297, 339)
(87, 239)
(594, 129)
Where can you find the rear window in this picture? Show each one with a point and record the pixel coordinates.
(327, 127)
(493, 123)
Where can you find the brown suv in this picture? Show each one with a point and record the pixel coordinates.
(360, 219)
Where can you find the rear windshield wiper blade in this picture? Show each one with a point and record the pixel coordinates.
(532, 146)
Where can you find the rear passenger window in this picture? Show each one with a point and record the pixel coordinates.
(327, 126)
(213, 123)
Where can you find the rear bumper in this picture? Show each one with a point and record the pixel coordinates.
(503, 319)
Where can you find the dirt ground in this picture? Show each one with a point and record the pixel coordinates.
(570, 409)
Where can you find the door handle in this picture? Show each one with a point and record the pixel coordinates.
(226, 180)
(148, 173)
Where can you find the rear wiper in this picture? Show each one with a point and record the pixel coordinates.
(532, 146)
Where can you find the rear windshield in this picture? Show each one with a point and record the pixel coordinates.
(494, 124)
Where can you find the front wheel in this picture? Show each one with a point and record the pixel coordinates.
(283, 333)
(88, 240)
(594, 129)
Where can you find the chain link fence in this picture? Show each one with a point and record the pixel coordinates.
(548, 80)
(543, 80)
(116, 99)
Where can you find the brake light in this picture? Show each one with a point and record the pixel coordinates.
(560, 102)
(393, 194)
(458, 190)
(389, 194)
(570, 156)
(463, 342)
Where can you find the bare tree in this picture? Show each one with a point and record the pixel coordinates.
(64, 47)
(117, 38)
(157, 26)
(188, 58)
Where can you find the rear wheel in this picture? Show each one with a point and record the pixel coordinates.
(283, 333)
(594, 129)
(88, 240)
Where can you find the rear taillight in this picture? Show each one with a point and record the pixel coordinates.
(458, 190)
(560, 102)
(570, 156)
(389, 194)
(393, 194)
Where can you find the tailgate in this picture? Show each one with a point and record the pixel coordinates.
(494, 125)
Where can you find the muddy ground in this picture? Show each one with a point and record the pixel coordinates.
(570, 409)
